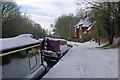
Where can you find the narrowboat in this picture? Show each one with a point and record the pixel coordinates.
(53, 48)
(21, 58)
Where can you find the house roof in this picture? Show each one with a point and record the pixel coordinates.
(91, 26)
(79, 23)
(86, 22)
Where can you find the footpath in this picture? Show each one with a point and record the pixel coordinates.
(84, 60)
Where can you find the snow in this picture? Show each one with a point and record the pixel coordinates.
(85, 32)
(49, 52)
(44, 64)
(86, 22)
(116, 40)
(41, 39)
(18, 41)
(91, 26)
(62, 40)
(72, 43)
(79, 23)
(40, 70)
(63, 48)
(84, 60)
(55, 39)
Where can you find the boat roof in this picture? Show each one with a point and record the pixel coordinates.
(55, 39)
(18, 41)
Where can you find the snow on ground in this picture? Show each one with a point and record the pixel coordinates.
(84, 60)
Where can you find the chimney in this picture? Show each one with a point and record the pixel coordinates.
(85, 17)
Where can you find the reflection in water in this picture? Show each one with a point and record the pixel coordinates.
(16, 65)
(7, 58)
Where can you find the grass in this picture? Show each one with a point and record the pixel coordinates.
(104, 46)
(117, 45)
(69, 45)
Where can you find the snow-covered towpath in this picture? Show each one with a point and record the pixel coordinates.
(86, 61)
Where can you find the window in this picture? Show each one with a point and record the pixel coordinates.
(80, 37)
(80, 27)
(32, 59)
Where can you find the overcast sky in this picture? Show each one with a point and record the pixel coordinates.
(46, 11)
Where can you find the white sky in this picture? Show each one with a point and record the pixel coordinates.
(46, 11)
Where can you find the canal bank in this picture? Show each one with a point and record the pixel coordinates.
(84, 60)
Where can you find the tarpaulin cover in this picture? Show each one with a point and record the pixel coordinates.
(55, 45)
(52, 45)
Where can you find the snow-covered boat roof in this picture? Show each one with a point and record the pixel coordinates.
(41, 39)
(55, 39)
(86, 22)
(62, 40)
(18, 41)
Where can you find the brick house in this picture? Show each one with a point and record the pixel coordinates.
(91, 29)
(83, 27)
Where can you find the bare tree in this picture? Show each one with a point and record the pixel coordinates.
(8, 11)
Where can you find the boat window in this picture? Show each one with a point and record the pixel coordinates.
(32, 58)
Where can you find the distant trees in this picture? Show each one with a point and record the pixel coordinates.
(14, 23)
(64, 26)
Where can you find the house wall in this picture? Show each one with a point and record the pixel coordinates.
(81, 32)
(78, 34)
(84, 29)
(92, 30)
(74, 31)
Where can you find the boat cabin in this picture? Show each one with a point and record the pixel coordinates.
(21, 57)
(53, 48)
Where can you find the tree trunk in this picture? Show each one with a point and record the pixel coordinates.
(98, 40)
(110, 40)
(110, 33)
